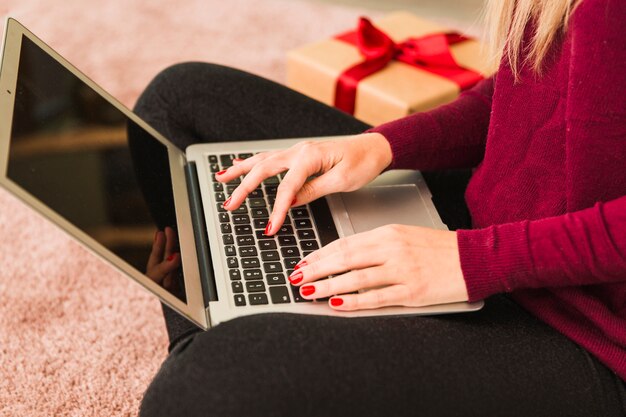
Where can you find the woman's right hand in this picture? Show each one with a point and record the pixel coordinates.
(338, 165)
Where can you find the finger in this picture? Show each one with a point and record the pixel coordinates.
(158, 247)
(368, 255)
(394, 295)
(351, 244)
(253, 179)
(359, 279)
(171, 241)
(241, 167)
(325, 184)
(161, 270)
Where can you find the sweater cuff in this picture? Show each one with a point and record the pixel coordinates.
(494, 259)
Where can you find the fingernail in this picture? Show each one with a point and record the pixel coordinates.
(220, 172)
(299, 265)
(295, 277)
(268, 228)
(227, 202)
(237, 160)
(171, 257)
(293, 202)
(307, 290)
(336, 302)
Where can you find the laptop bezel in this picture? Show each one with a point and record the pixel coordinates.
(194, 309)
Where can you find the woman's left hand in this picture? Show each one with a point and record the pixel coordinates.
(399, 266)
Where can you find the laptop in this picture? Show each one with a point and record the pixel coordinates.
(80, 158)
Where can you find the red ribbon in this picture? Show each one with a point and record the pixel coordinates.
(430, 53)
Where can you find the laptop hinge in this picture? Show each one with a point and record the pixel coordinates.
(199, 231)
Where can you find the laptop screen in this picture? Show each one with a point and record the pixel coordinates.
(84, 159)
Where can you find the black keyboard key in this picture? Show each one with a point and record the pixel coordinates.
(255, 286)
(306, 234)
(271, 181)
(241, 219)
(230, 188)
(248, 263)
(241, 210)
(243, 229)
(267, 244)
(224, 217)
(252, 274)
(220, 197)
(279, 295)
(234, 274)
(290, 251)
(227, 159)
(245, 240)
(227, 239)
(302, 223)
(260, 223)
(272, 267)
(257, 299)
(271, 200)
(299, 213)
(212, 159)
(232, 262)
(220, 208)
(247, 251)
(290, 263)
(256, 193)
(230, 251)
(225, 228)
(256, 203)
(240, 300)
(285, 230)
(270, 256)
(260, 235)
(235, 181)
(259, 213)
(309, 245)
(287, 220)
(237, 287)
(244, 155)
(218, 186)
(271, 189)
(214, 167)
(275, 279)
(296, 295)
(305, 254)
(286, 240)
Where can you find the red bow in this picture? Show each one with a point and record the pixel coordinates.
(430, 53)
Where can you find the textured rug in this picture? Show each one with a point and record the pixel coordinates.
(77, 338)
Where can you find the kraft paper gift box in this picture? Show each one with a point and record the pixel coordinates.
(396, 90)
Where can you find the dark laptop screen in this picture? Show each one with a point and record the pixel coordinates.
(83, 158)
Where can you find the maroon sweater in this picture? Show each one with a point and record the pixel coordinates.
(548, 196)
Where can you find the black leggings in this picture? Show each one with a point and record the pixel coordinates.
(500, 361)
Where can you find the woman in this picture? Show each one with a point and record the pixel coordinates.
(547, 198)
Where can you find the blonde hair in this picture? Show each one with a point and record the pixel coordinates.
(505, 24)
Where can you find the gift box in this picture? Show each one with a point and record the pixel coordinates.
(379, 72)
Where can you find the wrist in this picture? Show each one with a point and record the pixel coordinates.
(382, 148)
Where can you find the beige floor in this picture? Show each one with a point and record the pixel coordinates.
(464, 13)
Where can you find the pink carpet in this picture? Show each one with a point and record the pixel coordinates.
(76, 337)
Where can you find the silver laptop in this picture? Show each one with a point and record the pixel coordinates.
(80, 158)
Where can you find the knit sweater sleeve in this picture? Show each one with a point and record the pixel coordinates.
(450, 136)
(587, 245)
(580, 248)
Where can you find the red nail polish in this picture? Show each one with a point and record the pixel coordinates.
(171, 257)
(227, 202)
(299, 265)
(293, 202)
(268, 228)
(336, 302)
(221, 172)
(307, 290)
(295, 277)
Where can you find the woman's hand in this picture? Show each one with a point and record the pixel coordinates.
(399, 265)
(164, 259)
(342, 165)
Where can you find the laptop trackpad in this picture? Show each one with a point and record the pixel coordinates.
(375, 206)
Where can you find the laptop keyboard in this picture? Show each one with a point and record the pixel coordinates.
(258, 265)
